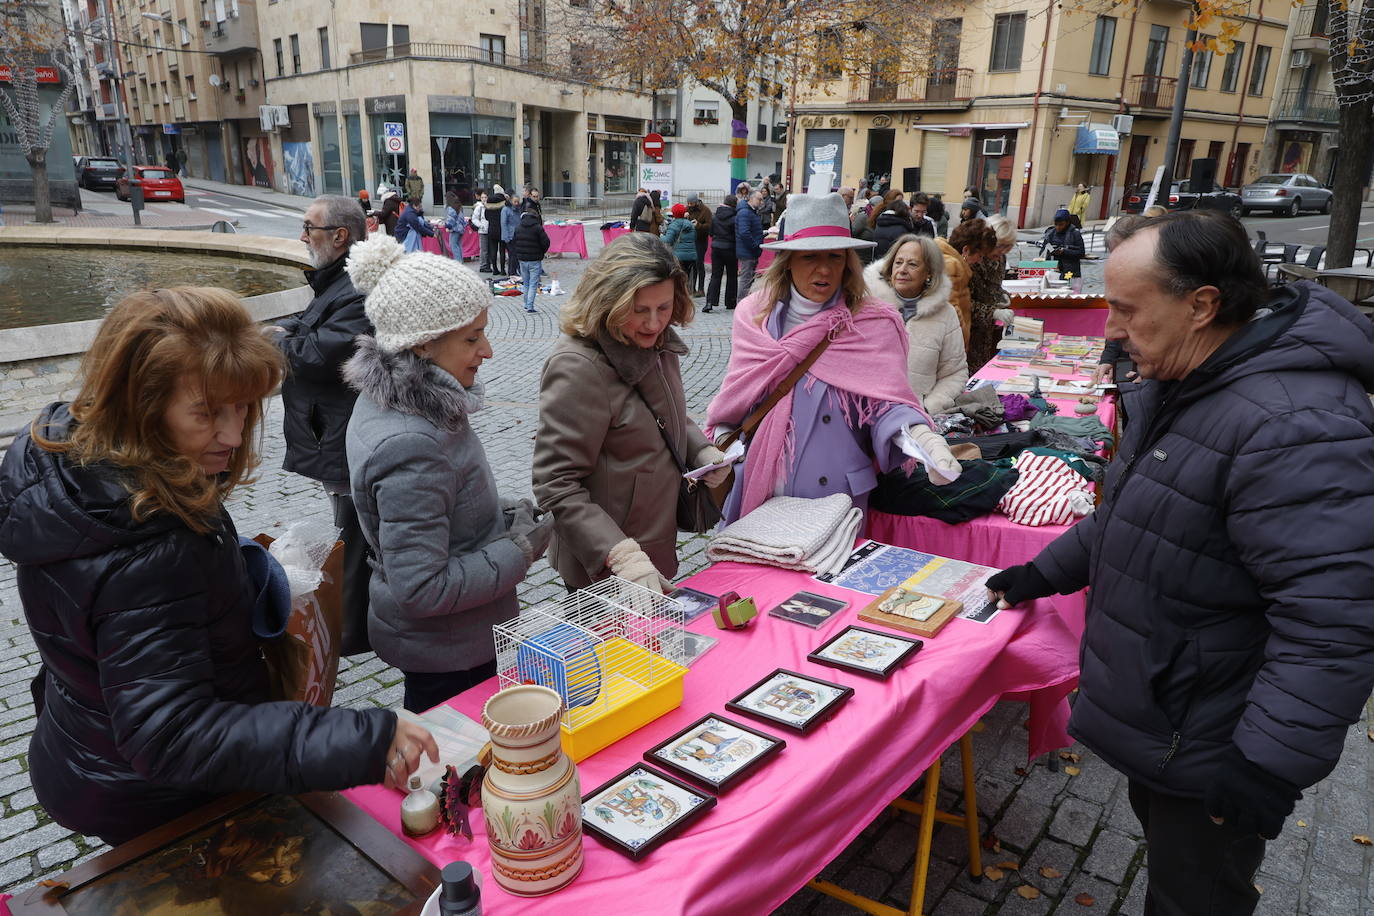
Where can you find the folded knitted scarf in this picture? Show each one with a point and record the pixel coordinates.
(791, 532)
(982, 405)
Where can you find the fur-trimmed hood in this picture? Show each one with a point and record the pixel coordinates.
(409, 384)
(926, 306)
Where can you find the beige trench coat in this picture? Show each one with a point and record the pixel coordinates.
(600, 464)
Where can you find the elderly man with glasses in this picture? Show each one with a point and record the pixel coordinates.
(316, 402)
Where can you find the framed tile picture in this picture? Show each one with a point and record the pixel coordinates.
(715, 751)
(866, 651)
(641, 808)
(791, 700)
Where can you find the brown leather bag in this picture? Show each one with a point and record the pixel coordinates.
(745, 430)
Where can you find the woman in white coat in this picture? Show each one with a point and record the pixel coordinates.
(912, 279)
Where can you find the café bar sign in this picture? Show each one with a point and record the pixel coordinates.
(45, 74)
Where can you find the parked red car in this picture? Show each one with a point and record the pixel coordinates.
(159, 183)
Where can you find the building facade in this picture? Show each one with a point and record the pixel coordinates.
(369, 97)
(1303, 134)
(695, 124)
(1021, 103)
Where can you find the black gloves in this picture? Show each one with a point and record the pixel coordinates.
(1020, 583)
(1250, 799)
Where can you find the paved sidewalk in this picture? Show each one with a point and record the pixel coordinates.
(1068, 832)
(103, 216)
(293, 202)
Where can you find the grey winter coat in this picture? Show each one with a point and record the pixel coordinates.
(445, 568)
(1232, 558)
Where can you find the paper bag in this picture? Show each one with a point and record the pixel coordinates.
(303, 663)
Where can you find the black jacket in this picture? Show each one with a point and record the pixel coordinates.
(890, 228)
(530, 242)
(316, 402)
(151, 696)
(1232, 560)
(1069, 244)
(641, 214)
(723, 229)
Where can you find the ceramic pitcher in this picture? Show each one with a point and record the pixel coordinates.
(531, 797)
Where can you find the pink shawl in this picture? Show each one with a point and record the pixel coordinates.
(865, 367)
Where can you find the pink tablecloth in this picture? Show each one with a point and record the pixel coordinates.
(472, 244)
(610, 235)
(764, 259)
(567, 238)
(781, 825)
(1070, 322)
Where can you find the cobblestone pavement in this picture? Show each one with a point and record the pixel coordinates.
(1076, 824)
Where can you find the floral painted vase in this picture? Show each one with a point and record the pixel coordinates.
(531, 797)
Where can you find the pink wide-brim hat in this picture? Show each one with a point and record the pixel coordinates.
(817, 223)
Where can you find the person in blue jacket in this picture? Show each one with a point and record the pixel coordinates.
(412, 226)
(681, 236)
(510, 221)
(748, 240)
(1064, 243)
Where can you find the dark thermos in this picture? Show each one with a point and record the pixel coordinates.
(459, 894)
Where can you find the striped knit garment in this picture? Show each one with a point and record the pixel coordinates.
(1048, 492)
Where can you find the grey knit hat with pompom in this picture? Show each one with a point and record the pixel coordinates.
(416, 297)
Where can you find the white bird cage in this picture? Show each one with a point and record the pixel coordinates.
(614, 651)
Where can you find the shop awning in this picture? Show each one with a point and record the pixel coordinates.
(1097, 138)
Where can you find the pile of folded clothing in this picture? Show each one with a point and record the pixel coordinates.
(1048, 491)
(811, 535)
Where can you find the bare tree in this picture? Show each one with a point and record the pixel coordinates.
(1351, 32)
(30, 46)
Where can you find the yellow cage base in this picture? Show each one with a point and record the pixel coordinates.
(625, 704)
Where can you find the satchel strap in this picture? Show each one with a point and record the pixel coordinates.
(663, 431)
(751, 422)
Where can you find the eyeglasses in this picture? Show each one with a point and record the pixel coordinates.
(306, 227)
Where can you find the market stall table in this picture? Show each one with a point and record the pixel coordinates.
(992, 539)
(571, 238)
(610, 235)
(808, 803)
(472, 243)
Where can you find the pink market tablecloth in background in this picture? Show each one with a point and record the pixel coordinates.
(472, 244)
(571, 238)
(780, 826)
(764, 259)
(610, 235)
(1071, 322)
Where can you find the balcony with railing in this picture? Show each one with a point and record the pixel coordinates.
(951, 84)
(1145, 90)
(1308, 107)
(1310, 32)
(233, 30)
(439, 50)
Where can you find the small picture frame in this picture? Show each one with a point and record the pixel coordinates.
(715, 751)
(640, 808)
(866, 651)
(791, 700)
(809, 609)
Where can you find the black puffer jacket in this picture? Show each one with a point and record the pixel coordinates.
(1232, 558)
(531, 241)
(316, 401)
(151, 696)
(723, 229)
(890, 228)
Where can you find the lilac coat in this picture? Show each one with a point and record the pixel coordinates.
(830, 455)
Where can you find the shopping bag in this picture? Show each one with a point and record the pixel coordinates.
(303, 662)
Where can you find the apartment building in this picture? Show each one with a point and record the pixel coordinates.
(1303, 132)
(695, 124)
(181, 99)
(1023, 102)
(467, 93)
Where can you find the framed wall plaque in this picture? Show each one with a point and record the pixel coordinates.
(715, 751)
(791, 700)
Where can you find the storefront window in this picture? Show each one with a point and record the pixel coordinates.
(391, 168)
(493, 144)
(357, 177)
(619, 171)
(331, 162)
(452, 158)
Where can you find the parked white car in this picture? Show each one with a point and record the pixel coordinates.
(1286, 194)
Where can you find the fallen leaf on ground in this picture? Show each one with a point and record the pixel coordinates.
(48, 882)
(1028, 892)
(1363, 840)
(993, 874)
(1009, 865)
(1020, 771)
(1050, 872)
(1085, 900)
(1072, 771)
(990, 841)
(1302, 823)
(1070, 756)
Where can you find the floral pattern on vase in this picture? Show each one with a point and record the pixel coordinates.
(531, 795)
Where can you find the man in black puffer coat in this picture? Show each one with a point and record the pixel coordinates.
(151, 696)
(316, 402)
(723, 260)
(1230, 625)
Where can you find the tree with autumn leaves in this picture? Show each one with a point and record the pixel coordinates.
(1351, 33)
(30, 40)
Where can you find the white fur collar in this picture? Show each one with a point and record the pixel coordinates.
(927, 305)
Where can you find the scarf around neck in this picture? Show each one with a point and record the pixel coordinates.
(865, 367)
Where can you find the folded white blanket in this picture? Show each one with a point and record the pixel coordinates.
(812, 535)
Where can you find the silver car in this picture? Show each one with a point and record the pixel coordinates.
(1286, 194)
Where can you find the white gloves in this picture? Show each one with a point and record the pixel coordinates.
(628, 562)
(927, 446)
(1006, 316)
(709, 454)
